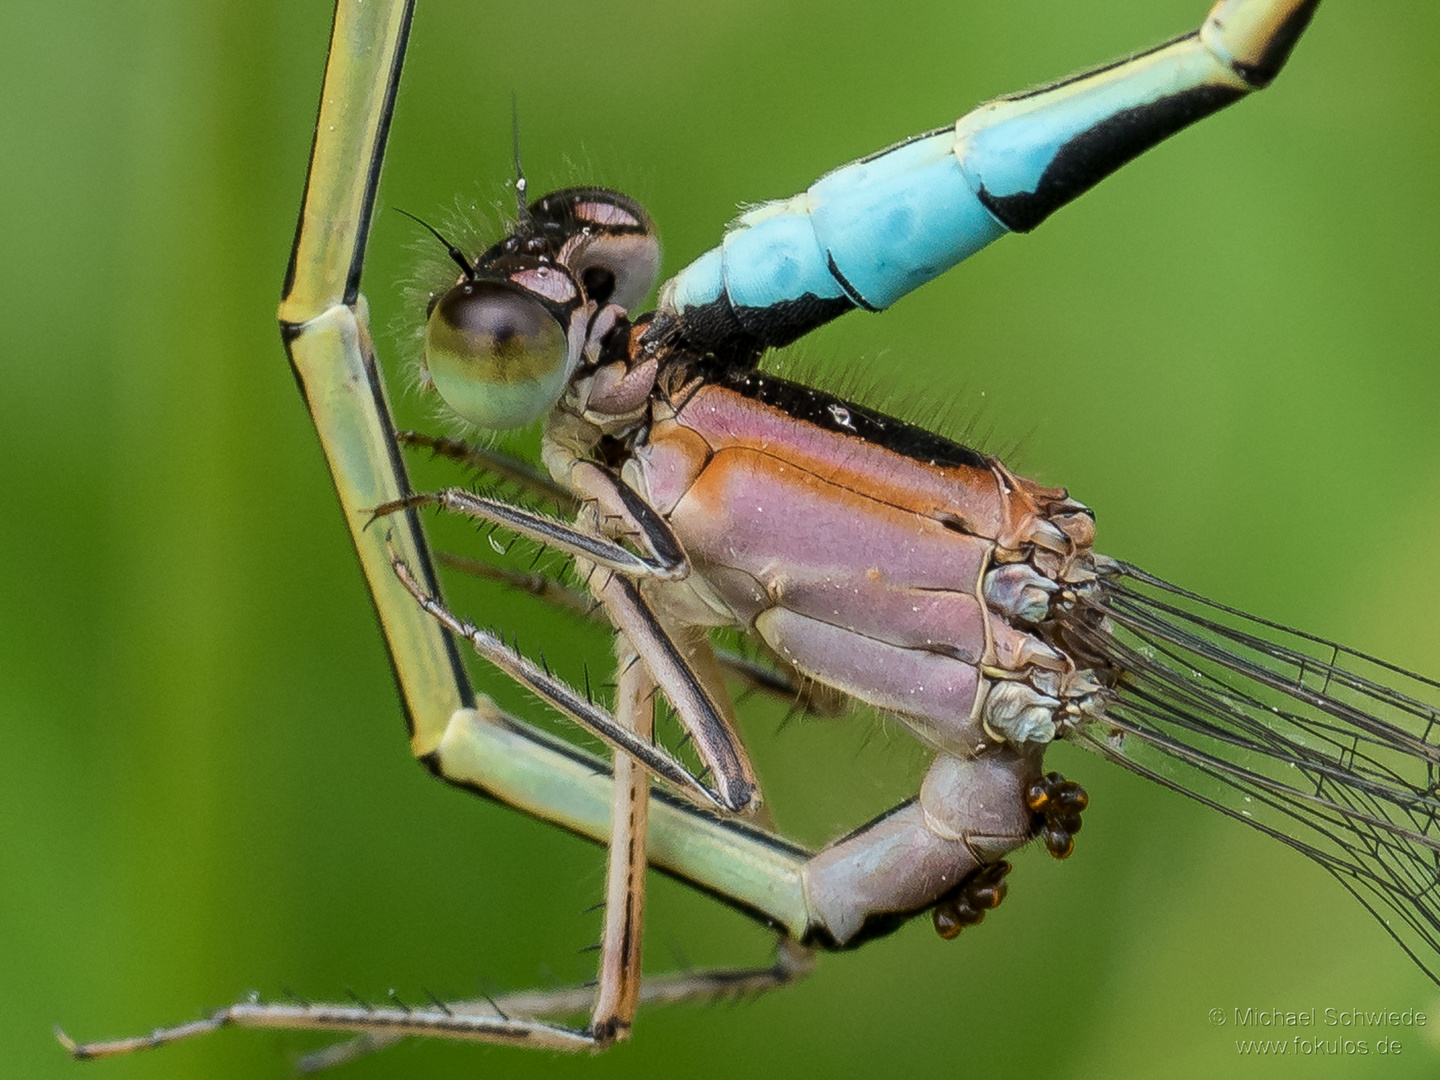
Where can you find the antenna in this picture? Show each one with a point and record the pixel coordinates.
(455, 253)
(522, 205)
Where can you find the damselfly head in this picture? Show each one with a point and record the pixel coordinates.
(503, 342)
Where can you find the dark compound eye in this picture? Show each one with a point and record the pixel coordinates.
(495, 354)
(611, 246)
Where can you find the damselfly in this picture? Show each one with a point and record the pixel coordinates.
(1210, 706)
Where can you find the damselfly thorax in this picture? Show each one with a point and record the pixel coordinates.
(902, 569)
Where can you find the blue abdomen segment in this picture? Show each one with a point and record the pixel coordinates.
(871, 231)
(892, 222)
(868, 233)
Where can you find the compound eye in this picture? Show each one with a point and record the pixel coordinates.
(496, 354)
(612, 247)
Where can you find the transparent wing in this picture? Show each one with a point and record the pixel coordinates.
(1330, 751)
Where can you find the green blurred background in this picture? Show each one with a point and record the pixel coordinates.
(1229, 351)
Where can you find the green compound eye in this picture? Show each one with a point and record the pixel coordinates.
(495, 354)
